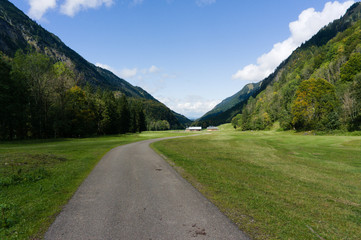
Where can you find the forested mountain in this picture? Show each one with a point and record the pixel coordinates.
(317, 87)
(17, 31)
(228, 107)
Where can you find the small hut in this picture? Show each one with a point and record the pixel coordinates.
(211, 128)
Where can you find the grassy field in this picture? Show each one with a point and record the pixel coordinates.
(276, 185)
(38, 177)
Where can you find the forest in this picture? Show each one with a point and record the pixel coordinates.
(318, 88)
(41, 98)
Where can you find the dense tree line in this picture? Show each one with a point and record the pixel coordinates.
(318, 89)
(159, 125)
(39, 98)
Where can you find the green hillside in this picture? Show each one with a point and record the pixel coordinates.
(329, 62)
(224, 110)
(18, 31)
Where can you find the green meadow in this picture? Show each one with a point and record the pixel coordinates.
(276, 185)
(273, 185)
(38, 177)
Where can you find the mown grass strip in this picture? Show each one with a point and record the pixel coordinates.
(277, 185)
(38, 177)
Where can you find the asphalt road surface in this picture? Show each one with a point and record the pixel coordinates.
(134, 194)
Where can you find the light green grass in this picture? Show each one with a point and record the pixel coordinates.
(38, 177)
(276, 185)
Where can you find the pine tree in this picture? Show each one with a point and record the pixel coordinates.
(124, 123)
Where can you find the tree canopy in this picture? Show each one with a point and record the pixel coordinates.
(39, 98)
(315, 105)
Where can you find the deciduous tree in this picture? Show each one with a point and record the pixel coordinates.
(35, 69)
(314, 105)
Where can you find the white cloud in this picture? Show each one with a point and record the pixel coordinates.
(124, 73)
(153, 69)
(150, 70)
(134, 72)
(128, 73)
(191, 106)
(204, 2)
(68, 7)
(308, 24)
(39, 7)
(107, 67)
(71, 7)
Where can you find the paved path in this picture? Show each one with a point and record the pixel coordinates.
(134, 194)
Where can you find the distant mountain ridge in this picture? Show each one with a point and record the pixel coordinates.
(230, 102)
(18, 31)
(230, 107)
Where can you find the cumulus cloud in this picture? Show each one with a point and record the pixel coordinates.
(153, 69)
(308, 24)
(107, 67)
(204, 2)
(68, 7)
(191, 106)
(123, 73)
(39, 7)
(128, 73)
(71, 7)
(150, 70)
(134, 72)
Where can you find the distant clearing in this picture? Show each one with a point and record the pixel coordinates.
(276, 185)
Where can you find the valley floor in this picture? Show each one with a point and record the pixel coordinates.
(276, 185)
(273, 185)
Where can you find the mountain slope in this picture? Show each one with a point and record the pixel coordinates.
(323, 56)
(18, 31)
(223, 110)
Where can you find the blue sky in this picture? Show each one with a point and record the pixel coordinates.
(189, 54)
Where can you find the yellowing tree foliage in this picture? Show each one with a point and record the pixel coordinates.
(351, 67)
(314, 106)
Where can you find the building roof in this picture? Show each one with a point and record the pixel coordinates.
(194, 128)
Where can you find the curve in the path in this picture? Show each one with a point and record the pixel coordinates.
(134, 194)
